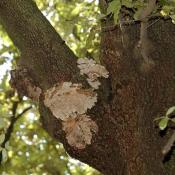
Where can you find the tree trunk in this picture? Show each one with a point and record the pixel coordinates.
(140, 93)
(127, 143)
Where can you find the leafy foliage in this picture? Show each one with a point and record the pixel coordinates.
(169, 116)
(164, 8)
(76, 21)
(168, 9)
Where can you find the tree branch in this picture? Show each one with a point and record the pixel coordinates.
(12, 123)
(145, 43)
(148, 10)
(43, 51)
(169, 144)
(13, 120)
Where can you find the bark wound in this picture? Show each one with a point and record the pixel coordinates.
(23, 82)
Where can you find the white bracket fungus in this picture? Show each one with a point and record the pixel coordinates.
(79, 131)
(93, 71)
(69, 102)
(68, 99)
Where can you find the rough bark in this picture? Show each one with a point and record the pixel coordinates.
(128, 143)
(38, 42)
(140, 93)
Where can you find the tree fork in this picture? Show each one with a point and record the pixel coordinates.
(127, 142)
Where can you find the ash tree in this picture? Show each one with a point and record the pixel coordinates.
(102, 111)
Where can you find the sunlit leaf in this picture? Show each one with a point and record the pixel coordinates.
(163, 123)
(2, 60)
(114, 7)
(7, 146)
(116, 17)
(170, 111)
(4, 82)
(2, 138)
(4, 155)
(2, 123)
(90, 38)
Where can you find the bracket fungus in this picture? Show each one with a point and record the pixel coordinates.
(93, 71)
(69, 102)
(79, 130)
(67, 99)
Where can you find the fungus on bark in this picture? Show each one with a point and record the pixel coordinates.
(69, 102)
(79, 130)
(67, 99)
(93, 71)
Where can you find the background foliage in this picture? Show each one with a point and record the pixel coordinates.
(164, 8)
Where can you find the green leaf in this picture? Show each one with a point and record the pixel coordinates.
(101, 16)
(114, 7)
(76, 10)
(170, 111)
(2, 124)
(91, 37)
(2, 138)
(137, 14)
(4, 155)
(4, 82)
(162, 2)
(116, 17)
(1, 148)
(128, 3)
(2, 60)
(163, 123)
(158, 118)
(7, 146)
(173, 120)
